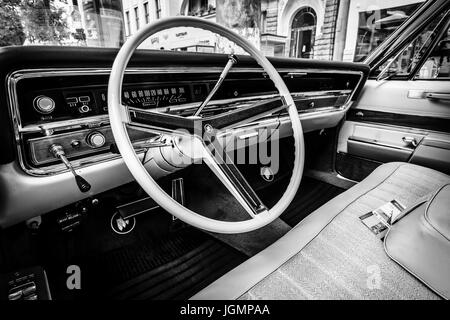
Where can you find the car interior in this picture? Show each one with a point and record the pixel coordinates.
(113, 163)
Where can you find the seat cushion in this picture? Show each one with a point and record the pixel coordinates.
(331, 254)
(424, 232)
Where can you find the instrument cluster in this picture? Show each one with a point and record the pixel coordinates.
(55, 105)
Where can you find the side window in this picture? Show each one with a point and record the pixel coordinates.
(405, 62)
(437, 65)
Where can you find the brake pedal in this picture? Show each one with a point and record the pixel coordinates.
(132, 209)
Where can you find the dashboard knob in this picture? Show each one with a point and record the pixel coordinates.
(44, 104)
(84, 109)
(96, 139)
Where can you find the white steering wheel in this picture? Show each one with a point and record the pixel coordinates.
(197, 137)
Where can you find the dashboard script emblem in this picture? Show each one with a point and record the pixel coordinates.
(121, 225)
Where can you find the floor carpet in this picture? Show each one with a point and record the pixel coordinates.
(311, 195)
(182, 277)
(173, 265)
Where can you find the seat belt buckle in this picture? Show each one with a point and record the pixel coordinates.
(380, 220)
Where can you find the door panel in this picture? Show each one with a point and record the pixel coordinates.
(433, 152)
(378, 152)
(382, 135)
(403, 115)
(376, 142)
(396, 121)
(406, 98)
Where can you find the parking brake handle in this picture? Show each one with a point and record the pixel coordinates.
(58, 152)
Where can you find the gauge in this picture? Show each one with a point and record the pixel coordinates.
(44, 104)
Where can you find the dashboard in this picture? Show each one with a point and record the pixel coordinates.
(57, 97)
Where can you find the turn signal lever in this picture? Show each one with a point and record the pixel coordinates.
(232, 60)
(58, 151)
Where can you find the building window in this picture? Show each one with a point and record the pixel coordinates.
(136, 15)
(127, 21)
(264, 21)
(158, 9)
(437, 66)
(419, 57)
(303, 32)
(200, 8)
(375, 26)
(146, 13)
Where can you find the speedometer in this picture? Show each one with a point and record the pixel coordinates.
(156, 97)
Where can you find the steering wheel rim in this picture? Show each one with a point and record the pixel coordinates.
(119, 118)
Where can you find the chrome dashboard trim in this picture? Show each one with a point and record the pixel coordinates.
(13, 78)
(103, 119)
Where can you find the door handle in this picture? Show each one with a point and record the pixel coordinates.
(438, 95)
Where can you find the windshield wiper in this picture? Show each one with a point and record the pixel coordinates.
(232, 60)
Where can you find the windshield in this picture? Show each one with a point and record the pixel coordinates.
(345, 30)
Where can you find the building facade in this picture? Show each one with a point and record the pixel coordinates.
(138, 13)
(93, 22)
(345, 30)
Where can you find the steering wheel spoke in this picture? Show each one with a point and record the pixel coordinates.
(224, 168)
(246, 114)
(162, 122)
